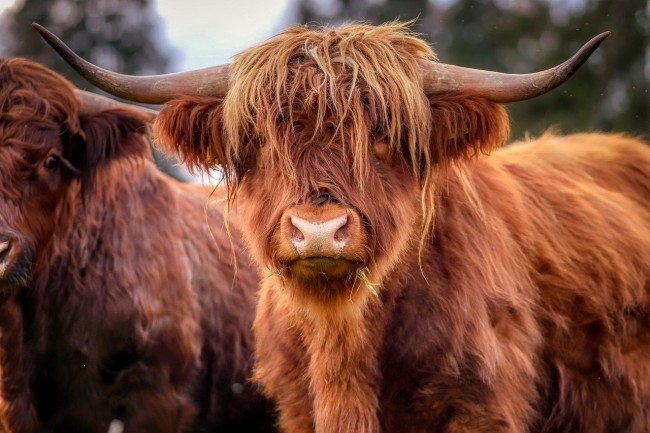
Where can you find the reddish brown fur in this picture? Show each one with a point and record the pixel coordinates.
(513, 290)
(112, 312)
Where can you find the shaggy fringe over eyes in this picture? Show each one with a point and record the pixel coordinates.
(32, 93)
(36, 105)
(31, 90)
(33, 100)
(349, 83)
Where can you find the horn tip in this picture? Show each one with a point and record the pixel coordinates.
(587, 49)
(601, 37)
(45, 33)
(40, 29)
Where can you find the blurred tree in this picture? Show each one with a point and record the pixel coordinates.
(610, 92)
(121, 35)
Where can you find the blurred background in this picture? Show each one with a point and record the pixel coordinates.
(609, 93)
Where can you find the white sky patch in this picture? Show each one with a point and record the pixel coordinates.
(4, 4)
(207, 33)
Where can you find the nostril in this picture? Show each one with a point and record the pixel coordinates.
(343, 233)
(296, 234)
(298, 229)
(5, 247)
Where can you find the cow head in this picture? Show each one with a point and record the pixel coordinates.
(331, 149)
(332, 141)
(48, 151)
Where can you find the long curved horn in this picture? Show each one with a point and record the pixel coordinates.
(92, 102)
(436, 78)
(499, 87)
(154, 89)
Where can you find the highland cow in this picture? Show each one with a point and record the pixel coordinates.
(118, 298)
(422, 281)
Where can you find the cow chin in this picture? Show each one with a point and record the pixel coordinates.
(320, 274)
(323, 268)
(324, 279)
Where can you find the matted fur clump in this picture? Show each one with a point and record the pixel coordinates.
(29, 89)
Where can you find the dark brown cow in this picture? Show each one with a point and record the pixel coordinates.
(118, 299)
(420, 285)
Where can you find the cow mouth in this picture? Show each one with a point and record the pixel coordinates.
(323, 267)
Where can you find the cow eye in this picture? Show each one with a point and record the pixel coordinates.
(52, 162)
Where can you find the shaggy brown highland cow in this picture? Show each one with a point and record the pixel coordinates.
(118, 299)
(419, 280)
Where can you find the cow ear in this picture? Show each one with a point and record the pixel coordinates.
(190, 128)
(109, 134)
(464, 126)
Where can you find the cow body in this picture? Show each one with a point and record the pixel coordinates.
(529, 311)
(107, 311)
(418, 285)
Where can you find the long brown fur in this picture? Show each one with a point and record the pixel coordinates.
(512, 290)
(124, 305)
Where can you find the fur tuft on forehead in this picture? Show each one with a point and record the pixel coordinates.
(35, 105)
(32, 94)
(344, 86)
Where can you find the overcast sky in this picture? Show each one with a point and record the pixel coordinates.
(209, 32)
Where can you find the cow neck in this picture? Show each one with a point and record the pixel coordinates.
(343, 345)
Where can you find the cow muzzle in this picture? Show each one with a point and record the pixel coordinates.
(15, 260)
(322, 240)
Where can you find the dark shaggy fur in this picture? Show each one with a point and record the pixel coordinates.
(118, 298)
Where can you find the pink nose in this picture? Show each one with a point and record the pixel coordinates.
(320, 238)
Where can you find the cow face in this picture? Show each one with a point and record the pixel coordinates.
(45, 149)
(315, 223)
(35, 126)
(332, 151)
(34, 177)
